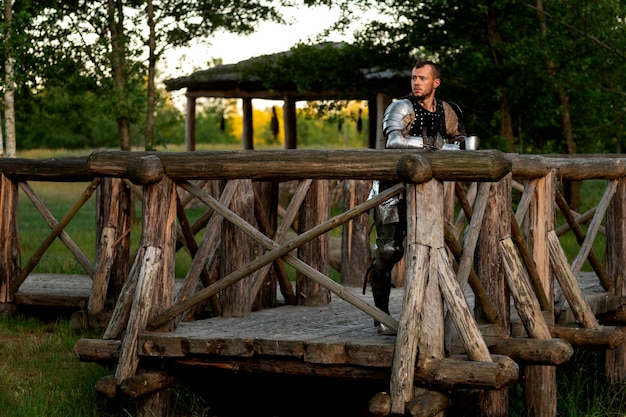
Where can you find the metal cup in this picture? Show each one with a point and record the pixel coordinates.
(471, 143)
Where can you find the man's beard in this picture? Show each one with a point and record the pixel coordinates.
(420, 97)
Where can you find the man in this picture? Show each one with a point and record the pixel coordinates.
(417, 121)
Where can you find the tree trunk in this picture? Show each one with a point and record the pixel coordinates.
(9, 94)
(118, 65)
(506, 121)
(151, 75)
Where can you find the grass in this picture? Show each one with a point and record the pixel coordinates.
(40, 376)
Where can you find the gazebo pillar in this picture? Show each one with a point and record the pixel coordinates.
(289, 120)
(247, 136)
(190, 124)
(382, 101)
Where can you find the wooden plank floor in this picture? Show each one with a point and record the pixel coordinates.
(338, 334)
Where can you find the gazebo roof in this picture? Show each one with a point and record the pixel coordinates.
(235, 81)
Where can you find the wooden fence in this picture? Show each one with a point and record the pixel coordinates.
(503, 254)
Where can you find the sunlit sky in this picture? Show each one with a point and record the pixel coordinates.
(268, 39)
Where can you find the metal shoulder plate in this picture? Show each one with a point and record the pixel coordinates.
(398, 117)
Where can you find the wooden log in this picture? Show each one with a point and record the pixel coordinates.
(9, 242)
(121, 311)
(455, 372)
(534, 351)
(424, 204)
(114, 202)
(236, 251)
(107, 387)
(146, 383)
(380, 404)
(579, 219)
(615, 361)
(283, 250)
(145, 170)
(189, 240)
(540, 381)
(314, 210)
(605, 336)
(67, 169)
(527, 194)
(487, 165)
(459, 311)
(103, 268)
(533, 275)
(427, 404)
(592, 231)
(208, 247)
(527, 166)
(579, 167)
(494, 226)
(524, 298)
(403, 368)
(155, 282)
(572, 292)
(431, 341)
(356, 254)
(98, 350)
(143, 303)
(266, 215)
(491, 313)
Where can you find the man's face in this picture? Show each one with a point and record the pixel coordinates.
(423, 82)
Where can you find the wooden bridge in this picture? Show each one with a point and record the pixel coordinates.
(482, 288)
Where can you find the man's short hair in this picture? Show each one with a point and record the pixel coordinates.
(423, 62)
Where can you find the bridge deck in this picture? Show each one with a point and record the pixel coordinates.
(329, 340)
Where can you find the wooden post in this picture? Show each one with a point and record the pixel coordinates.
(9, 243)
(237, 252)
(155, 273)
(314, 211)
(266, 210)
(356, 254)
(540, 384)
(190, 124)
(615, 361)
(247, 135)
(424, 204)
(289, 122)
(490, 270)
(114, 217)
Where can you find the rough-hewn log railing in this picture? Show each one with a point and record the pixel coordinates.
(499, 251)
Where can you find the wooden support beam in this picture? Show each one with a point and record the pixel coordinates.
(569, 286)
(605, 336)
(146, 383)
(482, 166)
(534, 351)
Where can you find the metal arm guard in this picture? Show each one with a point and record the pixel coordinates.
(397, 122)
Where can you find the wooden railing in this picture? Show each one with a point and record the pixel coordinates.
(498, 251)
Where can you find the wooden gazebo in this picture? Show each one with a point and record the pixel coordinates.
(233, 81)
